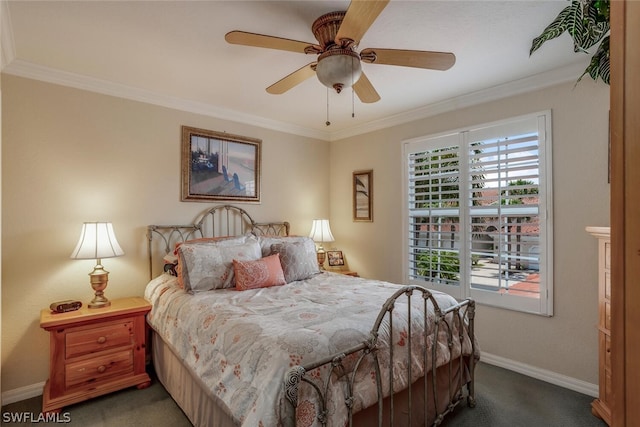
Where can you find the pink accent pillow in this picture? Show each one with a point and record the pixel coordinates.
(260, 273)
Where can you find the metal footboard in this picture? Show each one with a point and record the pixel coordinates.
(456, 322)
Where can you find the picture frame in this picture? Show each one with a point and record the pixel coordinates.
(363, 196)
(217, 166)
(336, 259)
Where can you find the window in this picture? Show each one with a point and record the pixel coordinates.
(478, 213)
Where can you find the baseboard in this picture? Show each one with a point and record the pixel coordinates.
(22, 393)
(541, 374)
(570, 383)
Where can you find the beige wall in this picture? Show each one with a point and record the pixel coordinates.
(71, 156)
(565, 343)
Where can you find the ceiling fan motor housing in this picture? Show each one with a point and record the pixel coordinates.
(326, 28)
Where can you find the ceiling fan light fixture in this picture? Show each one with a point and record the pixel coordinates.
(339, 68)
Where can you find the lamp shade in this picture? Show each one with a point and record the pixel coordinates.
(97, 241)
(321, 231)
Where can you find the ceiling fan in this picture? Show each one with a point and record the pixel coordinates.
(339, 63)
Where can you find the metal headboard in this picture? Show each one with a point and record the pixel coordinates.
(219, 221)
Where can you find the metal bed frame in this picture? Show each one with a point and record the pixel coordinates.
(461, 315)
(224, 220)
(228, 220)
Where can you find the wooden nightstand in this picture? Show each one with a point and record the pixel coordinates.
(95, 351)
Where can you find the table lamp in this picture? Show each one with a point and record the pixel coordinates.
(320, 233)
(97, 241)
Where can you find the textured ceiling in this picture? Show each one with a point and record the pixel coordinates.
(174, 52)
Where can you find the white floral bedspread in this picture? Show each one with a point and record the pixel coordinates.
(241, 343)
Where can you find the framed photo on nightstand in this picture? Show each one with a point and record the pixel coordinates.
(335, 258)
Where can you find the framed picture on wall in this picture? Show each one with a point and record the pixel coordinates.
(218, 166)
(363, 195)
(335, 258)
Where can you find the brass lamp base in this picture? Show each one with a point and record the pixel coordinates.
(99, 301)
(321, 255)
(99, 278)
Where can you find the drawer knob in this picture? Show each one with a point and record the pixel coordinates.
(102, 340)
(101, 369)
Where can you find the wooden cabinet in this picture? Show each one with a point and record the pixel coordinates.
(95, 351)
(601, 407)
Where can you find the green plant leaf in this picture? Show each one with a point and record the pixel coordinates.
(603, 8)
(589, 28)
(576, 28)
(565, 18)
(599, 65)
(587, 22)
(582, 20)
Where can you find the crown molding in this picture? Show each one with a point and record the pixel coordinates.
(30, 70)
(516, 87)
(539, 81)
(7, 44)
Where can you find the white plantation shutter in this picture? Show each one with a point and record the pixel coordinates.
(434, 211)
(477, 203)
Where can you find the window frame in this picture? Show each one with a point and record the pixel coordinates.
(542, 305)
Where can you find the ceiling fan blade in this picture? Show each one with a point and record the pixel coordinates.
(270, 42)
(410, 58)
(365, 91)
(359, 17)
(293, 79)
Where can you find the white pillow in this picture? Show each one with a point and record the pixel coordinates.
(298, 258)
(208, 266)
(267, 241)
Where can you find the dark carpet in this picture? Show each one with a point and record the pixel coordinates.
(507, 399)
(504, 399)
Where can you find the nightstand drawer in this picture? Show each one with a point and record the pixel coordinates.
(99, 368)
(92, 339)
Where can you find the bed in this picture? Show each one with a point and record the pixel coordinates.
(262, 337)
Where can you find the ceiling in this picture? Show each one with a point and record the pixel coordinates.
(173, 53)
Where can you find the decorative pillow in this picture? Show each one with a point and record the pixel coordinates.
(171, 264)
(267, 241)
(260, 273)
(203, 267)
(219, 241)
(299, 260)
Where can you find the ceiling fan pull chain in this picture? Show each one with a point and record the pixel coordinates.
(353, 103)
(328, 123)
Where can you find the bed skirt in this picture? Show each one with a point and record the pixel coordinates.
(200, 406)
(185, 388)
(449, 394)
